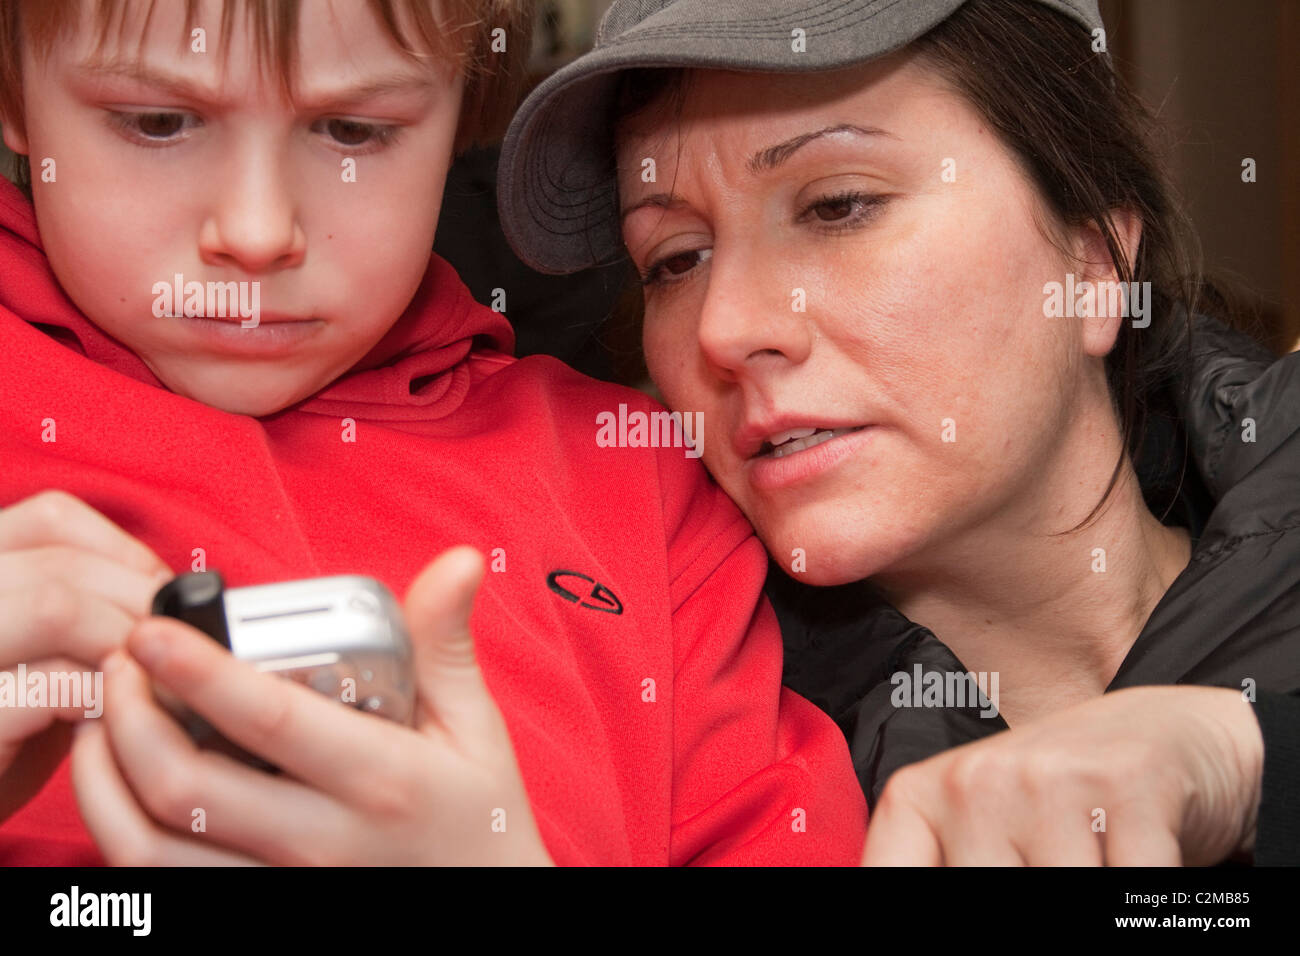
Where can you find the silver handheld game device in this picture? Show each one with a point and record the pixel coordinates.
(343, 636)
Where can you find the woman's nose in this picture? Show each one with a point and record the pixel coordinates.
(752, 318)
(254, 222)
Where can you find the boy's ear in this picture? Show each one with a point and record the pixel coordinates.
(14, 136)
(1096, 265)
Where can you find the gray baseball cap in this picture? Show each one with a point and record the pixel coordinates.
(556, 188)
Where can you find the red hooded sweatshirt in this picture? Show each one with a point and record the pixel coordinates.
(458, 442)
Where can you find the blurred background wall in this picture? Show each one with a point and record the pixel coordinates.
(564, 29)
(1223, 75)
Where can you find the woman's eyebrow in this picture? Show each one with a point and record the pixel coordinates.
(774, 156)
(183, 87)
(766, 159)
(662, 200)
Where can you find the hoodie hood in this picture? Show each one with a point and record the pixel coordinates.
(418, 370)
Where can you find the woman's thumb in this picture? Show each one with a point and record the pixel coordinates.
(447, 678)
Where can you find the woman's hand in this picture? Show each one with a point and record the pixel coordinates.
(72, 585)
(1144, 776)
(356, 789)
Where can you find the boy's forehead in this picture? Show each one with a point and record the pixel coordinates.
(331, 46)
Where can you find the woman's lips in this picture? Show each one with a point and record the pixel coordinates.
(797, 440)
(816, 454)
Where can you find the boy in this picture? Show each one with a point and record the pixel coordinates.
(228, 347)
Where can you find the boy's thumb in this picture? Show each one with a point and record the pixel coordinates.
(447, 678)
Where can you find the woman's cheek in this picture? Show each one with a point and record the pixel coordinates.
(670, 350)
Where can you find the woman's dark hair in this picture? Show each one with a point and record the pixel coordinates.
(1087, 142)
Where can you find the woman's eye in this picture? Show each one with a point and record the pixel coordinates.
(676, 265)
(353, 133)
(834, 209)
(680, 263)
(844, 209)
(158, 128)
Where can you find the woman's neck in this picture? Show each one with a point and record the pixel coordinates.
(1053, 614)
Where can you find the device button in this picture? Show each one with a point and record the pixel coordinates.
(364, 602)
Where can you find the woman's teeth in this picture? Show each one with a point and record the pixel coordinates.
(784, 437)
(798, 439)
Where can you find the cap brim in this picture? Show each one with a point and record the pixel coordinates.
(556, 184)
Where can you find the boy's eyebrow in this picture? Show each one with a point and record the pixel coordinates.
(180, 86)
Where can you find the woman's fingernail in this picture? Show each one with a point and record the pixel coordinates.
(112, 662)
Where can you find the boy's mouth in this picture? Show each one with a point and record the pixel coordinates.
(272, 336)
(248, 323)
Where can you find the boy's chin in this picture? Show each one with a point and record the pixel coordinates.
(242, 398)
(255, 408)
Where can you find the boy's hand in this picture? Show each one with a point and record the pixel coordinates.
(72, 585)
(356, 789)
(1144, 776)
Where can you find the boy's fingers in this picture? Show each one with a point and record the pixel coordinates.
(51, 617)
(55, 689)
(88, 573)
(56, 517)
(124, 833)
(83, 571)
(449, 684)
(306, 734)
(173, 778)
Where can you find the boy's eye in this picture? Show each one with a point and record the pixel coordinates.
(153, 129)
(354, 133)
(160, 125)
(349, 133)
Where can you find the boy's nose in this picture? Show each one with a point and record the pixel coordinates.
(254, 224)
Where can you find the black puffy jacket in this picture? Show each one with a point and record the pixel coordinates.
(1230, 619)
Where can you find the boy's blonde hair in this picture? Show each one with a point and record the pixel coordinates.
(464, 33)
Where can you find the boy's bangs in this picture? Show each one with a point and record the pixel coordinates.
(467, 34)
(413, 25)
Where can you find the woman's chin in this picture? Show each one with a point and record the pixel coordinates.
(826, 562)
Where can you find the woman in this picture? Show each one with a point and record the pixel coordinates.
(923, 277)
